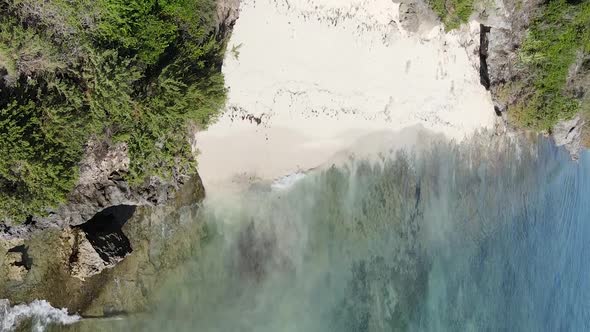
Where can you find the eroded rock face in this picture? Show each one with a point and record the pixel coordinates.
(83, 261)
(102, 162)
(14, 260)
(568, 133)
(503, 30)
(227, 14)
(110, 265)
(104, 232)
(17, 263)
(99, 243)
(507, 22)
(484, 43)
(102, 185)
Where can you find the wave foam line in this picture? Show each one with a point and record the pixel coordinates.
(40, 312)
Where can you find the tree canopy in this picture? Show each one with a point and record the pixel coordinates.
(137, 71)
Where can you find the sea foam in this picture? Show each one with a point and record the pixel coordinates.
(39, 312)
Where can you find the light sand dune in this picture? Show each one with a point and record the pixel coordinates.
(309, 78)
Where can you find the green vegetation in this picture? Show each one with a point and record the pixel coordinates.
(452, 12)
(558, 38)
(235, 51)
(138, 71)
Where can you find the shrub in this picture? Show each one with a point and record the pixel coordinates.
(137, 71)
(452, 12)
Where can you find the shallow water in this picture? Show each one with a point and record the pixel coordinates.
(477, 237)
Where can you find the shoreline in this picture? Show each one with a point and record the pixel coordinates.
(306, 84)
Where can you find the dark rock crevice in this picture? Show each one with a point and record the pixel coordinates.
(104, 232)
(26, 261)
(100, 242)
(484, 76)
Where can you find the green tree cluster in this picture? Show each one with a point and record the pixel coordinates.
(137, 71)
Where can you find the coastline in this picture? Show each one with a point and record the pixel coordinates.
(311, 84)
(323, 79)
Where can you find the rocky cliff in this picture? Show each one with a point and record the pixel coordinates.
(503, 59)
(103, 172)
(506, 72)
(109, 265)
(105, 249)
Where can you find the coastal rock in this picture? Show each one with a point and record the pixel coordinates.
(503, 29)
(7, 244)
(83, 261)
(227, 14)
(102, 185)
(15, 266)
(102, 162)
(505, 24)
(415, 16)
(501, 55)
(568, 133)
(578, 81)
(14, 260)
(501, 42)
(100, 242)
(101, 271)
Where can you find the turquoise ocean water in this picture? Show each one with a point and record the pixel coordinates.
(485, 236)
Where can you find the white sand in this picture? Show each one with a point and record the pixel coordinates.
(322, 74)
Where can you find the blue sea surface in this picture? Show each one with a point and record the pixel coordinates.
(482, 236)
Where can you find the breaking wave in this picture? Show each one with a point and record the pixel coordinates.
(39, 314)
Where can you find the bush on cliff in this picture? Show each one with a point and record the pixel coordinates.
(559, 37)
(452, 12)
(138, 71)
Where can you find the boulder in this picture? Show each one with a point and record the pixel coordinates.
(568, 133)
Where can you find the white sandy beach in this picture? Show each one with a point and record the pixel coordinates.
(308, 79)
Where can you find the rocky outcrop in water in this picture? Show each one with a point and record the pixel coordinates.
(100, 242)
(568, 133)
(109, 265)
(90, 222)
